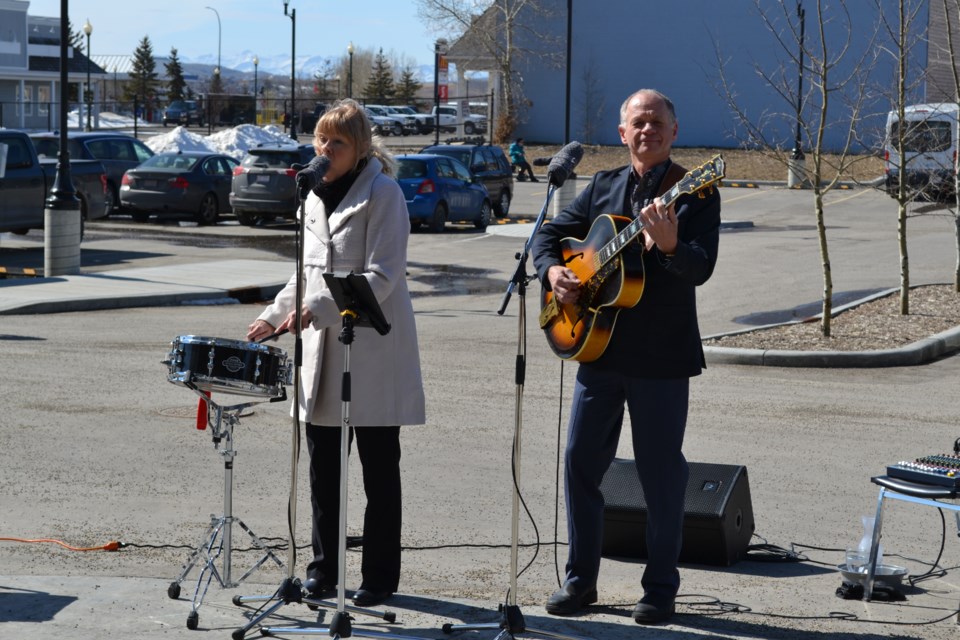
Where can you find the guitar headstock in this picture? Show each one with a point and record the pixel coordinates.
(708, 173)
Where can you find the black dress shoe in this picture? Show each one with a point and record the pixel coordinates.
(566, 601)
(370, 597)
(653, 610)
(317, 590)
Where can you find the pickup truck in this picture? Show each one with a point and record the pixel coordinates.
(26, 181)
(452, 119)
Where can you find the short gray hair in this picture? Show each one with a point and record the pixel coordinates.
(666, 101)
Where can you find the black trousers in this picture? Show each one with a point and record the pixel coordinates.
(379, 451)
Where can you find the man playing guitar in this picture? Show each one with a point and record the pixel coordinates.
(654, 349)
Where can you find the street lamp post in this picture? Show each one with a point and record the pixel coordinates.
(350, 71)
(88, 29)
(293, 68)
(796, 164)
(256, 96)
(219, 33)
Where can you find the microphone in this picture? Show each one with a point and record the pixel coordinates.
(562, 164)
(310, 176)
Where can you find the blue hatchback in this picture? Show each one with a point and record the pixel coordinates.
(439, 189)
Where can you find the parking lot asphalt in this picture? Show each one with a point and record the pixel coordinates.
(91, 449)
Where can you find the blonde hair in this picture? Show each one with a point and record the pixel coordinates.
(348, 119)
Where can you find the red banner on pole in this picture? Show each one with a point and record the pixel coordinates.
(442, 91)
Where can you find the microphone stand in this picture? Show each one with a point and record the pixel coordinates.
(511, 618)
(291, 589)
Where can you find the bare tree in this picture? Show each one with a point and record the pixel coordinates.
(836, 97)
(955, 211)
(592, 103)
(900, 36)
(490, 31)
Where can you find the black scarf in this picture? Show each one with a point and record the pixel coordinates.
(333, 193)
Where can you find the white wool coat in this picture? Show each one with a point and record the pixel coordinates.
(366, 234)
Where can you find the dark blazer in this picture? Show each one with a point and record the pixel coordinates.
(659, 337)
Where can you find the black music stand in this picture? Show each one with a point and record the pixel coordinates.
(358, 308)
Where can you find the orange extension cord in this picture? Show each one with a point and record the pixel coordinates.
(113, 545)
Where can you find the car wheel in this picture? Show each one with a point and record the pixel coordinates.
(108, 201)
(502, 208)
(209, 210)
(439, 220)
(468, 128)
(484, 220)
(397, 129)
(247, 219)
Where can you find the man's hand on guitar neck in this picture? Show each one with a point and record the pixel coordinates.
(660, 226)
(564, 284)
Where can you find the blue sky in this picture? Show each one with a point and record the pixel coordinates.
(324, 27)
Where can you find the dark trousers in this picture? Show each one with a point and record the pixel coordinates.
(524, 166)
(658, 416)
(379, 451)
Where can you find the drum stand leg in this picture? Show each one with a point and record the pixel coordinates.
(217, 541)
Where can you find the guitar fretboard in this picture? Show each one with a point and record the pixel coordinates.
(692, 182)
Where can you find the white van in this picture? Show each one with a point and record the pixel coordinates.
(930, 146)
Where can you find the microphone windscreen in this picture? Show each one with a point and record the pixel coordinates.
(564, 163)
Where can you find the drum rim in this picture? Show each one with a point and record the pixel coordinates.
(228, 342)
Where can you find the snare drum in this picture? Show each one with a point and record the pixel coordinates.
(230, 366)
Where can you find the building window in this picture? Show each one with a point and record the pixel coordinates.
(43, 101)
(27, 100)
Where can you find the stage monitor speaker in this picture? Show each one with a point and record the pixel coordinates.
(717, 522)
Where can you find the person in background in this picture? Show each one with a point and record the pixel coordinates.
(356, 220)
(653, 352)
(519, 160)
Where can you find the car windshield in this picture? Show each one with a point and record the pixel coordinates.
(924, 136)
(410, 169)
(170, 161)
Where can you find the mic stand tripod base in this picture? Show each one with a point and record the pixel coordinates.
(511, 623)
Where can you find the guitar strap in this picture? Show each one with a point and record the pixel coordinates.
(674, 174)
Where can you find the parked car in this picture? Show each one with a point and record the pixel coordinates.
(195, 182)
(384, 125)
(265, 184)
(439, 189)
(183, 112)
(425, 121)
(308, 119)
(489, 164)
(408, 123)
(26, 180)
(931, 139)
(117, 152)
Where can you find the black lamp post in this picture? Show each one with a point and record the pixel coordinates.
(293, 68)
(88, 29)
(256, 96)
(797, 151)
(350, 71)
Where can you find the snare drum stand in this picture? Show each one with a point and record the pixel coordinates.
(217, 541)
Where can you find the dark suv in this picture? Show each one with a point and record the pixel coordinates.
(265, 183)
(185, 112)
(488, 164)
(117, 152)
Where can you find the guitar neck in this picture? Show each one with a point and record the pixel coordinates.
(703, 176)
(629, 233)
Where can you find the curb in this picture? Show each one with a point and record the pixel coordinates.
(916, 353)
